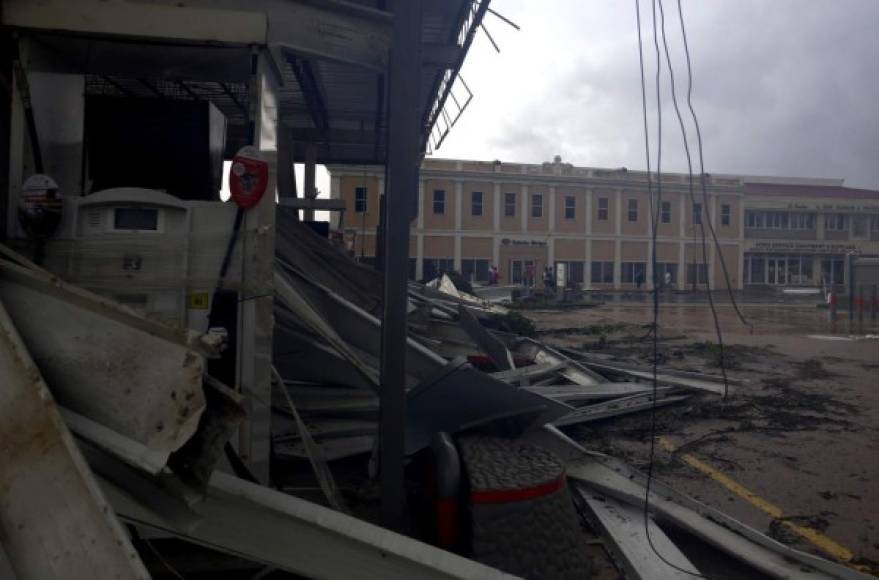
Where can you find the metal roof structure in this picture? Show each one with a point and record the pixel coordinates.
(331, 56)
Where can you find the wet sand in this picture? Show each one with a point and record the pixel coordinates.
(803, 433)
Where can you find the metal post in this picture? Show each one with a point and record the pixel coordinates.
(404, 134)
(309, 187)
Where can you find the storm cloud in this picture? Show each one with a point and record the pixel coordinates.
(781, 87)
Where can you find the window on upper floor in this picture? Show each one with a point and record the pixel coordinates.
(633, 210)
(753, 219)
(476, 203)
(537, 205)
(777, 220)
(697, 214)
(836, 222)
(802, 221)
(439, 201)
(665, 212)
(360, 200)
(603, 208)
(509, 205)
(570, 207)
(725, 215)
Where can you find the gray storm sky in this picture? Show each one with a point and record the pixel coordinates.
(781, 87)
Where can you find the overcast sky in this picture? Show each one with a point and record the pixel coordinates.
(781, 87)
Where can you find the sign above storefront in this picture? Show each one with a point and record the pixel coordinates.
(805, 247)
(508, 241)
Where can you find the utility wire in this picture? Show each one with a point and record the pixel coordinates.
(704, 215)
(655, 223)
(655, 209)
(702, 168)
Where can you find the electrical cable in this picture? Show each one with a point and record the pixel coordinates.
(654, 221)
(702, 210)
(702, 168)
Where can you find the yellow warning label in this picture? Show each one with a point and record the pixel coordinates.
(199, 300)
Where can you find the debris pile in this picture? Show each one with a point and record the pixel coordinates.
(153, 437)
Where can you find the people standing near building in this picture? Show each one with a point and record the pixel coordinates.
(492, 275)
(548, 281)
(666, 280)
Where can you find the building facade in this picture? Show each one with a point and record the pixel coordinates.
(594, 226)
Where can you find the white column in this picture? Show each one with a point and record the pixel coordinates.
(588, 226)
(618, 214)
(551, 217)
(587, 267)
(458, 251)
(617, 260)
(420, 222)
(419, 257)
(711, 259)
(496, 251)
(496, 208)
(741, 268)
(459, 197)
(524, 207)
(682, 265)
(682, 218)
(550, 252)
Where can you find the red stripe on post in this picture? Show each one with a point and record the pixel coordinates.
(516, 495)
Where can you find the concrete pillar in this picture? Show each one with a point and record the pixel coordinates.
(459, 204)
(524, 207)
(588, 220)
(587, 267)
(258, 263)
(617, 260)
(457, 252)
(496, 251)
(551, 213)
(618, 213)
(682, 221)
(496, 208)
(420, 222)
(682, 264)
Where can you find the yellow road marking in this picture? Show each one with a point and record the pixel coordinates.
(814, 536)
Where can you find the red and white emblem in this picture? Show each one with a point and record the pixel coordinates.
(248, 177)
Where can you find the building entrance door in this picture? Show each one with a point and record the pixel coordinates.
(523, 272)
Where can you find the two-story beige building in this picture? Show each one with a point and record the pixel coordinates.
(594, 227)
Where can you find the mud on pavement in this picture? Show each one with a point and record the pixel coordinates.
(800, 432)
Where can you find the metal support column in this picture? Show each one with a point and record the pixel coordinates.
(310, 192)
(404, 136)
